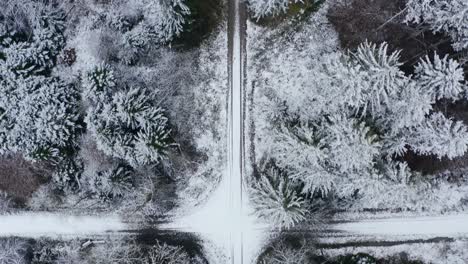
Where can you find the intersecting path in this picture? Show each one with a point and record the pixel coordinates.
(226, 218)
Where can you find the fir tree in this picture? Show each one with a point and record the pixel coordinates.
(168, 18)
(449, 16)
(440, 77)
(440, 136)
(110, 184)
(274, 199)
(126, 124)
(383, 77)
(264, 8)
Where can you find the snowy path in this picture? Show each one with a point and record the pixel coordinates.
(35, 225)
(226, 218)
(447, 226)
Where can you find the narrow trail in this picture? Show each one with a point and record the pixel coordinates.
(35, 225)
(447, 225)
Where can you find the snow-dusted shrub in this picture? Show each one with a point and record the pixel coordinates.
(264, 8)
(110, 184)
(275, 200)
(116, 250)
(13, 251)
(127, 124)
(49, 251)
(162, 253)
(5, 202)
(442, 77)
(67, 174)
(448, 16)
(284, 254)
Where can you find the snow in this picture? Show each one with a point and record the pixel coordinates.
(448, 225)
(35, 225)
(226, 219)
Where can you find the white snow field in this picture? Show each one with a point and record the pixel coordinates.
(446, 225)
(35, 225)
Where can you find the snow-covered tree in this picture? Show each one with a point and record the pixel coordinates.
(440, 77)
(5, 202)
(343, 138)
(263, 8)
(130, 127)
(408, 107)
(382, 77)
(284, 254)
(167, 17)
(163, 253)
(321, 157)
(110, 184)
(440, 136)
(39, 112)
(98, 84)
(275, 200)
(13, 251)
(399, 103)
(40, 118)
(301, 153)
(449, 16)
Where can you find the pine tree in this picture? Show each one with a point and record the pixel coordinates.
(42, 120)
(110, 184)
(409, 107)
(301, 153)
(275, 200)
(440, 136)
(126, 123)
(449, 16)
(441, 77)
(343, 138)
(383, 77)
(98, 83)
(167, 17)
(264, 8)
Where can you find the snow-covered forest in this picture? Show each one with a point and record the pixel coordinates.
(97, 97)
(355, 110)
(350, 111)
(110, 107)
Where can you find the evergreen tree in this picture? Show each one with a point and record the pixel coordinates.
(275, 200)
(110, 184)
(440, 136)
(301, 153)
(42, 118)
(441, 77)
(98, 84)
(126, 124)
(449, 16)
(167, 17)
(264, 8)
(383, 77)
